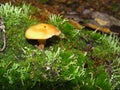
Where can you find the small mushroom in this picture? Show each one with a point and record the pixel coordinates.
(41, 32)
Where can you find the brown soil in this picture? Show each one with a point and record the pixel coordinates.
(111, 7)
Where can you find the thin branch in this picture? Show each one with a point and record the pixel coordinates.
(2, 27)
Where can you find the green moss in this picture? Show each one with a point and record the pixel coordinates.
(72, 62)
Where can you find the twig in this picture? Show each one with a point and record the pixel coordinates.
(2, 27)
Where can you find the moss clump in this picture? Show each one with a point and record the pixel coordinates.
(74, 61)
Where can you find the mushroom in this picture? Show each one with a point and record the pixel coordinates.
(41, 32)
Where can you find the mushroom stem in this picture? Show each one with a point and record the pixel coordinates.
(42, 43)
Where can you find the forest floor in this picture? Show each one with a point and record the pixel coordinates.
(94, 14)
(79, 10)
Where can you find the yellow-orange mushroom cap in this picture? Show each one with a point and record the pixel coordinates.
(41, 32)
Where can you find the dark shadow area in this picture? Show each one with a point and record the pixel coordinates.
(116, 29)
(49, 42)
